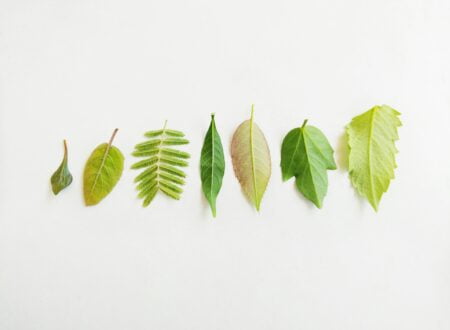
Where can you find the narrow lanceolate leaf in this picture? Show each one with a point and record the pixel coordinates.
(251, 160)
(161, 164)
(307, 155)
(371, 140)
(62, 177)
(102, 172)
(212, 165)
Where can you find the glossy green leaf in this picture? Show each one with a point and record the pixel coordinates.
(307, 155)
(102, 172)
(212, 165)
(62, 177)
(371, 140)
(251, 160)
(161, 164)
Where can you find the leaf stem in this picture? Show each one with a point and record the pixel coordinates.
(304, 123)
(65, 149)
(112, 137)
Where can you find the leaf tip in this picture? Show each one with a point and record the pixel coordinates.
(318, 204)
(285, 176)
(374, 205)
(258, 206)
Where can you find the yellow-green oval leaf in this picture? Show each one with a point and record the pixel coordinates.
(251, 160)
(102, 172)
(371, 140)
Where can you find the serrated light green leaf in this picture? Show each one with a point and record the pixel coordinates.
(62, 177)
(307, 155)
(161, 164)
(251, 160)
(102, 172)
(212, 165)
(371, 140)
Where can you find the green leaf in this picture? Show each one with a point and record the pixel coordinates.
(161, 164)
(371, 140)
(62, 177)
(212, 165)
(251, 160)
(102, 172)
(307, 155)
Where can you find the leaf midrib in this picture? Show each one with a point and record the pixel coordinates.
(252, 157)
(309, 163)
(97, 176)
(369, 152)
(213, 158)
(163, 136)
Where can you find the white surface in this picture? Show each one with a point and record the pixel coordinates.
(78, 69)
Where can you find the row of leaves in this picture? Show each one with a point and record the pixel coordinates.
(306, 155)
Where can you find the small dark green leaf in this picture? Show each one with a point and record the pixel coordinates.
(62, 177)
(307, 155)
(212, 165)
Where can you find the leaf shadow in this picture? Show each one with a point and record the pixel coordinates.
(342, 152)
(310, 205)
(50, 193)
(342, 155)
(206, 209)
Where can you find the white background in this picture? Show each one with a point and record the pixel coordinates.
(78, 69)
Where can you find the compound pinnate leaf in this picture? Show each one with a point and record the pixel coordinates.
(102, 172)
(62, 177)
(251, 160)
(162, 164)
(307, 155)
(212, 165)
(371, 140)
